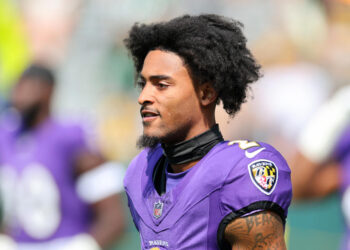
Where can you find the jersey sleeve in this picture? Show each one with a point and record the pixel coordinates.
(342, 147)
(258, 183)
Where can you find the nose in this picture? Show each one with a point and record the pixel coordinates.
(146, 95)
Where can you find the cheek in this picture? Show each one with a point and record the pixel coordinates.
(27, 100)
(26, 95)
(181, 110)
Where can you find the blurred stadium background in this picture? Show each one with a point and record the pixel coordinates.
(303, 46)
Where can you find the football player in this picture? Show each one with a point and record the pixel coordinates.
(322, 165)
(57, 193)
(189, 188)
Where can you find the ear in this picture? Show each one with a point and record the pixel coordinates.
(207, 94)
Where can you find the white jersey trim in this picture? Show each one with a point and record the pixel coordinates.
(319, 137)
(76, 242)
(101, 182)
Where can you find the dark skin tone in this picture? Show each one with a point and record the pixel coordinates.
(109, 220)
(174, 109)
(263, 230)
(314, 180)
(167, 95)
(108, 223)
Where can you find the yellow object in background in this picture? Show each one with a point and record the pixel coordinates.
(14, 53)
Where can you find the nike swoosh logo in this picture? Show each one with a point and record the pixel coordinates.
(254, 153)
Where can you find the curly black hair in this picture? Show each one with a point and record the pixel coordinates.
(213, 49)
(40, 72)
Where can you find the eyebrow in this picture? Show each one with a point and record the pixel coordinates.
(156, 77)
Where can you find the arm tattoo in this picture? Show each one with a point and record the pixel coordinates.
(263, 230)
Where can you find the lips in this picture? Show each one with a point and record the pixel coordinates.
(148, 114)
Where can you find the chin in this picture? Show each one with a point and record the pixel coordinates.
(151, 132)
(164, 135)
(147, 142)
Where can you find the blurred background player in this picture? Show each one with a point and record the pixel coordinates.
(57, 193)
(322, 165)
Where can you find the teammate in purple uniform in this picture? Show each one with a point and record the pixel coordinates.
(190, 189)
(57, 193)
(322, 165)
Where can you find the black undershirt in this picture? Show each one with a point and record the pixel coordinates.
(184, 152)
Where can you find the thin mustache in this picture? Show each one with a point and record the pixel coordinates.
(148, 109)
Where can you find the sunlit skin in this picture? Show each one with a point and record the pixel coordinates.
(172, 107)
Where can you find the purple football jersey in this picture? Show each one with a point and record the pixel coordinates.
(234, 179)
(37, 182)
(342, 155)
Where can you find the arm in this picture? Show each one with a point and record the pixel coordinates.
(109, 223)
(256, 196)
(108, 216)
(311, 179)
(315, 172)
(263, 230)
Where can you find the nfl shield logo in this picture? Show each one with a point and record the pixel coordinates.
(157, 209)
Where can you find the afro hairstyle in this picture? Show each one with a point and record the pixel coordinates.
(212, 47)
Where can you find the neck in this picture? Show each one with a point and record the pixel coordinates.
(42, 116)
(184, 155)
(30, 123)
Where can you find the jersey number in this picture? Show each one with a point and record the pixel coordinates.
(244, 144)
(32, 200)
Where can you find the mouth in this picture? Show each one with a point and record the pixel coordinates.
(148, 115)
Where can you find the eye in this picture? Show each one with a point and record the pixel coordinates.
(162, 85)
(141, 84)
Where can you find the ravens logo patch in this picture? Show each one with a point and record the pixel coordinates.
(264, 174)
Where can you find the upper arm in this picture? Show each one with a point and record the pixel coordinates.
(255, 184)
(86, 160)
(262, 230)
(83, 157)
(97, 180)
(258, 183)
(321, 142)
(312, 179)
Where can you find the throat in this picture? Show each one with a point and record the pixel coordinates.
(182, 156)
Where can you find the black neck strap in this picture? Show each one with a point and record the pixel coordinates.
(193, 149)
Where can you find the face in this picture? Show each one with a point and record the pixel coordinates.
(170, 107)
(29, 94)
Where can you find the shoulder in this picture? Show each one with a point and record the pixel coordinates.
(141, 163)
(235, 158)
(253, 156)
(239, 153)
(67, 127)
(260, 176)
(68, 137)
(9, 122)
(142, 156)
(67, 132)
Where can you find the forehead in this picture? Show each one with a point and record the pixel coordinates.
(159, 62)
(31, 84)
